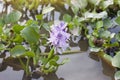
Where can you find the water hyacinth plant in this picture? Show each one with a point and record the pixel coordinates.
(93, 19)
(59, 36)
(23, 43)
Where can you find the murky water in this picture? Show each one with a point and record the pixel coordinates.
(82, 66)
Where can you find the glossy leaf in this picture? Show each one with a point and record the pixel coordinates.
(18, 38)
(95, 2)
(118, 20)
(107, 57)
(17, 28)
(118, 13)
(99, 24)
(53, 62)
(39, 17)
(104, 34)
(56, 57)
(29, 54)
(91, 41)
(107, 3)
(117, 37)
(2, 47)
(12, 17)
(51, 53)
(95, 49)
(82, 4)
(67, 18)
(107, 23)
(33, 24)
(75, 10)
(117, 75)
(17, 51)
(95, 15)
(47, 10)
(116, 60)
(30, 35)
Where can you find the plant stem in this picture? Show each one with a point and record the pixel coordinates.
(21, 62)
(27, 67)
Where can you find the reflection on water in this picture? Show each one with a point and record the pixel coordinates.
(80, 67)
(108, 69)
(9, 74)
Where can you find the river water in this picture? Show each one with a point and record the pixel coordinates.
(82, 66)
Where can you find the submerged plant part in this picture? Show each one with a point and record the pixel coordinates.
(59, 36)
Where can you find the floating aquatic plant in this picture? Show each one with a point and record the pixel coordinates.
(59, 36)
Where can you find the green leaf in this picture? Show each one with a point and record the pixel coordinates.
(56, 57)
(2, 47)
(95, 15)
(33, 24)
(107, 23)
(117, 75)
(39, 17)
(114, 44)
(95, 49)
(104, 34)
(75, 10)
(47, 9)
(117, 37)
(112, 35)
(1, 22)
(91, 41)
(30, 35)
(18, 38)
(99, 24)
(1, 30)
(108, 57)
(44, 60)
(107, 3)
(17, 28)
(53, 62)
(17, 51)
(29, 54)
(67, 18)
(12, 17)
(118, 20)
(51, 53)
(95, 2)
(116, 60)
(118, 13)
(82, 4)
(76, 21)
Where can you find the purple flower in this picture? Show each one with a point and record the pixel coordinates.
(59, 36)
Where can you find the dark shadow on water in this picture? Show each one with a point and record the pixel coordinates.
(51, 76)
(14, 64)
(108, 69)
(94, 56)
